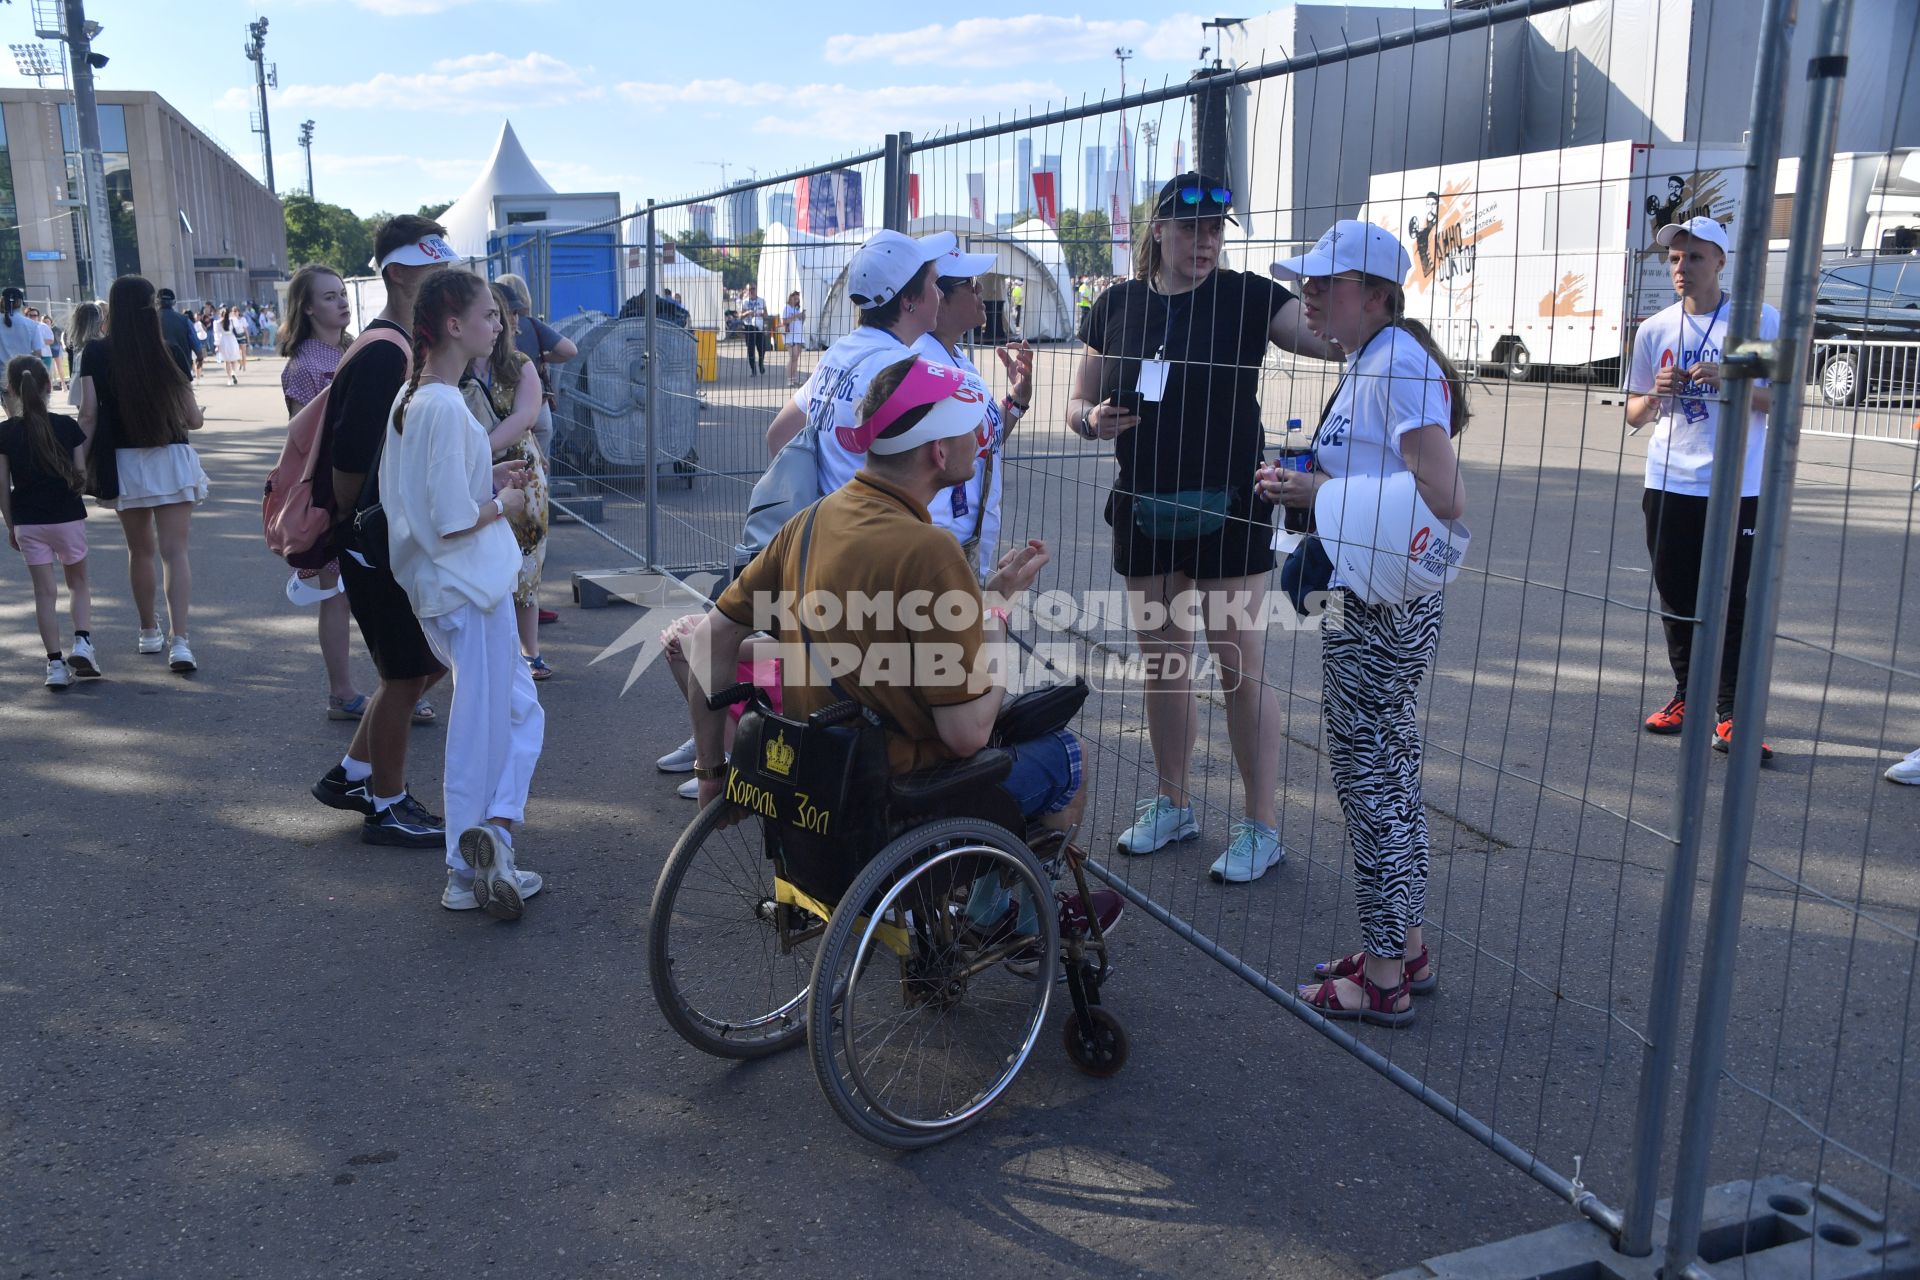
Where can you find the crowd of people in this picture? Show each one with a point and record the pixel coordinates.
(433, 442)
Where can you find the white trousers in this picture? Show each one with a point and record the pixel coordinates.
(496, 727)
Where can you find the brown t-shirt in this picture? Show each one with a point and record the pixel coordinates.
(873, 543)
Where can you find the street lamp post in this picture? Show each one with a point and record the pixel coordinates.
(86, 119)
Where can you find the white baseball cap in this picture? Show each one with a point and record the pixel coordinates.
(1351, 245)
(965, 266)
(884, 265)
(304, 591)
(1386, 544)
(1708, 229)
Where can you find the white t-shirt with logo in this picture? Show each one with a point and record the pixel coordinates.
(956, 510)
(831, 398)
(1391, 386)
(1680, 455)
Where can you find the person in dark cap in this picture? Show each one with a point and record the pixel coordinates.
(176, 328)
(1171, 376)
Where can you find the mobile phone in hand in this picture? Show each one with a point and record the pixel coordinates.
(1131, 401)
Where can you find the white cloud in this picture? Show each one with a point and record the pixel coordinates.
(482, 82)
(1033, 37)
(844, 113)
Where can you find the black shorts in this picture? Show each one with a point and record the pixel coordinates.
(1240, 548)
(387, 624)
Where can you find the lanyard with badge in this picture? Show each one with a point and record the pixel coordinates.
(1695, 407)
(1152, 380)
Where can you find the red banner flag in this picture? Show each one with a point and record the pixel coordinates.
(1044, 201)
(913, 195)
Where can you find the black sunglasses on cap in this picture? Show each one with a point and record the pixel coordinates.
(1194, 195)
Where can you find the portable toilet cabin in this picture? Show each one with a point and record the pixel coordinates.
(582, 268)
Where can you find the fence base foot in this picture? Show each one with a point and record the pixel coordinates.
(581, 508)
(1772, 1229)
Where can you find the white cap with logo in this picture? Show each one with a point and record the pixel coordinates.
(884, 265)
(1708, 229)
(1350, 245)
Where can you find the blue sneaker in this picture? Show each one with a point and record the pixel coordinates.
(1159, 823)
(1253, 851)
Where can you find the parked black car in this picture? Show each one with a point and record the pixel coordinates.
(1866, 329)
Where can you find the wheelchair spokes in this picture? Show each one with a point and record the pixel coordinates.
(730, 961)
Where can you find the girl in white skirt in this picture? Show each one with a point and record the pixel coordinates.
(226, 341)
(136, 408)
(447, 508)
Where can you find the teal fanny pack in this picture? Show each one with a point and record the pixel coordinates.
(1185, 513)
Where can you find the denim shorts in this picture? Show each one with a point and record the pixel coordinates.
(1046, 773)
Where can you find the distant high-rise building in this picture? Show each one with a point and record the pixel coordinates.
(780, 208)
(1023, 175)
(700, 219)
(743, 212)
(1098, 180)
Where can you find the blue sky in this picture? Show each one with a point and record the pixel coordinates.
(642, 98)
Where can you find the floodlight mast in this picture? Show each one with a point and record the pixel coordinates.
(256, 52)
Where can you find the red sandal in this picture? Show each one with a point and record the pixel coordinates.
(1376, 1005)
(1349, 966)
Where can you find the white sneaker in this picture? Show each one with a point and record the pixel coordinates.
(179, 657)
(679, 760)
(58, 677)
(81, 660)
(1159, 824)
(151, 641)
(1907, 771)
(458, 895)
(688, 790)
(496, 884)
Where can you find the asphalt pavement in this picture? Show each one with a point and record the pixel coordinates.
(239, 1042)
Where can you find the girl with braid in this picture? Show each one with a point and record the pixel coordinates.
(447, 507)
(1397, 408)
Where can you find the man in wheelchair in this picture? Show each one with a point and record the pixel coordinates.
(871, 601)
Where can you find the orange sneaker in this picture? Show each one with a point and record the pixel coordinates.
(1723, 739)
(1667, 719)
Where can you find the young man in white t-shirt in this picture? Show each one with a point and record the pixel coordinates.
(1674, 382)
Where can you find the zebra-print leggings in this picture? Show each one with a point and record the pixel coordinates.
(1372, 664)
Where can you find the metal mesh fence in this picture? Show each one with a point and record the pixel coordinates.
(1567, 846)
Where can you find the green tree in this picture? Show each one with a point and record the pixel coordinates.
(1087, 241)
(435, 210)
(329, 234)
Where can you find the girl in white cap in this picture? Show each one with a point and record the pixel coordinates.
(1397, 408)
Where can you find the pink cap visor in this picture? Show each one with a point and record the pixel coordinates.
(959, 401)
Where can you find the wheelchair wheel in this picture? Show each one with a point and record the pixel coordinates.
(729, 963)
(920, 1019)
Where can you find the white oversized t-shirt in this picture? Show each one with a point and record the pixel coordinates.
(1390, 387)
(1680, 455)
(831, 398)
(435, 475)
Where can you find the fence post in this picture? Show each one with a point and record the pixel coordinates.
(652, 404)
(1784, 364)
(894, 167)
(1709, 633)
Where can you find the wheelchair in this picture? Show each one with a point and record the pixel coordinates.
(764, 930)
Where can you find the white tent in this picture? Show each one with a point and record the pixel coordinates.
(817, 267)
(469, 219)
(793, 260)
(702, 290)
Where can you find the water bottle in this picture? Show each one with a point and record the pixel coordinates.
(1296, 456)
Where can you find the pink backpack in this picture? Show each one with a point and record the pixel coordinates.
(296, 526)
